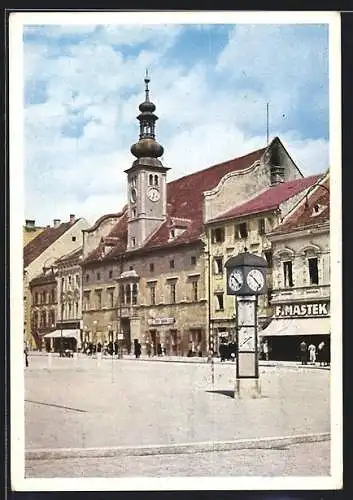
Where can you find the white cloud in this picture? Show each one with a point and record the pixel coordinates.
(205, 116)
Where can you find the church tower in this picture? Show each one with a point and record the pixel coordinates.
(147, 179)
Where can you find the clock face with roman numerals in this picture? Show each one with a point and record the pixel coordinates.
(153, 194)
(235, 280)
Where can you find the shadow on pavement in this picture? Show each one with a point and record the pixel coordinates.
(224, 392)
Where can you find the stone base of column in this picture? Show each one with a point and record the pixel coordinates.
(247, 388)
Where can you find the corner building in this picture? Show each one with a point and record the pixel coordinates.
(146, 269)
(301, 276)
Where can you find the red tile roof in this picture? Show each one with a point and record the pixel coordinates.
(184, 201)
(36, 247)
(270, 199)
(42, 279)
(304, 215)
(71, 256)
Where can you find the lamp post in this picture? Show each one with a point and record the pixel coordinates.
(61, 318)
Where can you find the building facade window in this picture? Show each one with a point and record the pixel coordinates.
(122, 294)
(268, 257)
(86, 300)
(36, 298)
(98, 276)
(313, 271)
(218, 265)
(127, 294)
(69, 279)
(69, 310)
(195, 291)
(217, 235)
(151, 267)
(134, 293)
(152, 294)
(133, 241)
(219, 302)
(52, 318)
(78, 282)
(261, 226)
(172, 292)
(53, 296)
(241, 231)
(98, 299)
(76, 309)
(43, 322)
(193, 260)
(288, 274)
(111, 298)
(171, 264)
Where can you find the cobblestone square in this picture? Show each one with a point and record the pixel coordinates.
(99, 403)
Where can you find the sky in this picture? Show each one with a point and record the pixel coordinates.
(210, 84)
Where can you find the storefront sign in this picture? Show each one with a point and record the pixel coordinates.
(161, 321)
(312, 309)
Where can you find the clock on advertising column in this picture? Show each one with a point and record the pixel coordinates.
(246, 274)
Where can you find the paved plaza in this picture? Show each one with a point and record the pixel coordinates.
(97, 403)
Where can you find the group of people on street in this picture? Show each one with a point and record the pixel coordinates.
(314, 354)
(227, 350)
(110, 348)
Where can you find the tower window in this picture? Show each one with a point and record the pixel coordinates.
(313, 271)
(151, 267)
(193, 260)
(288, 274)
(219, 302)
(171, 264)
(133, 212)
(73, 238)
(156, 180)
(133, 242)
(150, 180)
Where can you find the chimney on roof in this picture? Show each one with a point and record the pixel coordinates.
(56, 222)
(30, 223)
(72, 217)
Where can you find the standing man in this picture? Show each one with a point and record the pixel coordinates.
(265, 350)
(303, 352)
(312, 353)
(26, 356)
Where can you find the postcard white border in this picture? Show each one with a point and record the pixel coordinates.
(16, 22)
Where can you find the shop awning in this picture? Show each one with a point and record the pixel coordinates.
(286, 327)
(64, 333)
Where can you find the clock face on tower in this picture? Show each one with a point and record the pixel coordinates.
(255, 280)
(153, 194)
(235, 280)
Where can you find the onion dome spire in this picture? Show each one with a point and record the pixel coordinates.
(147, 146)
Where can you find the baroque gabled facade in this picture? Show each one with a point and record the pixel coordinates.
(246, 225)
(146, 270)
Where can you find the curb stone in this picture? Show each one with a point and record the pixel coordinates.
(169, 449)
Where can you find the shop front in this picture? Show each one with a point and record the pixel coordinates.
(291, 324)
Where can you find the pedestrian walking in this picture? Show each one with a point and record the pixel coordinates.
(303, 352)
(265, 350)
(159, 349)
(26, 356)
(222, 350)
(149, 349)
(321, 353)
(312, 353)
(137, 348)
